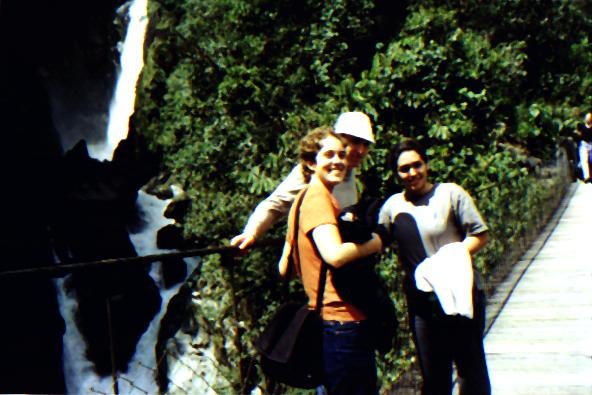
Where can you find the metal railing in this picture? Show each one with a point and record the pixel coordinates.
(227, 253)
(60, 270)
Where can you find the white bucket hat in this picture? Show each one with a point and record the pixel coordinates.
(355, 124)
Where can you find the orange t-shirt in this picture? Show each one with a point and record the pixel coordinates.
(319, 207)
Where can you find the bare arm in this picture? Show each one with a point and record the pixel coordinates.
(284, 260)
(335, 252)
(263, 220)
(474, 243)
(269, 211)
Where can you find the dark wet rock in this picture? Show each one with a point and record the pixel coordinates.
(159, 186)
(178, 209)
(178, 309)
(170, 237)
(174, 271)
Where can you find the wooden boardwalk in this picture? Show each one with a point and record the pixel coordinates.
(540, 341)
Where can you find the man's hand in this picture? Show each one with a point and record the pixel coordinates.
(242, 241)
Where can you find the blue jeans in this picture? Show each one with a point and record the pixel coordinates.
(348, 358)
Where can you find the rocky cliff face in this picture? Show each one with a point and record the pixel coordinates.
(69, 47)
(56, 78)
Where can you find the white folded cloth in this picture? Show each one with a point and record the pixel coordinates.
(449, 274)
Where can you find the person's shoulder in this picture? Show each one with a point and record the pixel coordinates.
(393, 200)
(296, 172)
(318, 207)
(316, 194)
(396, 197)
(449, 187)
(292, 183)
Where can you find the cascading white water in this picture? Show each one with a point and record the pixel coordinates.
(140, 377)
(132, 61)
(80, 377)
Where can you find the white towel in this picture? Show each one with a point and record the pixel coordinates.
(449, 274)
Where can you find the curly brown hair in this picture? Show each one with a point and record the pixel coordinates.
(310, 145)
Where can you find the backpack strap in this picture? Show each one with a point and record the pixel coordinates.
(295, 251)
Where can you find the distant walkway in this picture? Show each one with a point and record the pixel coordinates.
(541, 342)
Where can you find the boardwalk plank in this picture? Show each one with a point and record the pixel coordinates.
(541, 342)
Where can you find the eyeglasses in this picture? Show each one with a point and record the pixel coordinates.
(415, 165)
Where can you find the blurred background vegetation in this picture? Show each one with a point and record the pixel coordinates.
(229, 87)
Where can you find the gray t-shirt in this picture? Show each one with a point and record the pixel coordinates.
(420, 227)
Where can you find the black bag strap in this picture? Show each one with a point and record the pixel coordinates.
(296, 254)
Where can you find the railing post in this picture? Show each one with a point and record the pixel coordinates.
(112, 348)
(230, 259)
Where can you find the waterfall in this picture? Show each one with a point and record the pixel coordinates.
(140, 376)
(132, 61)
(139, 379)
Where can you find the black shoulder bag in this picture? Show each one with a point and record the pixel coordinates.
(291, 344)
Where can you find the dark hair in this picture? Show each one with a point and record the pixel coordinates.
(310, 145)
(408, 145)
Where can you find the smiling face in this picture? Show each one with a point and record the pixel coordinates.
(413, 172)
(330, 166)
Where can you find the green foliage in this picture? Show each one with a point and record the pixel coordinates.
(229, 87)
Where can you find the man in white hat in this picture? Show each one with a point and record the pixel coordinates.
(356, 128)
